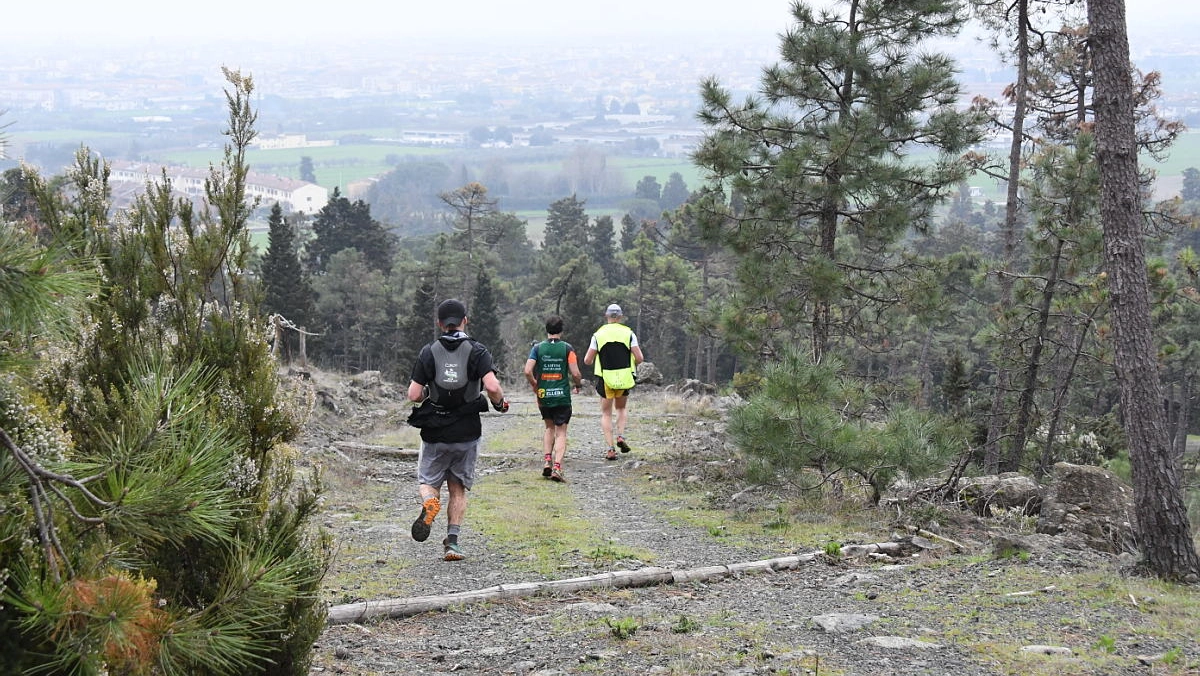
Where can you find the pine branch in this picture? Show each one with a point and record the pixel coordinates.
(42, 480)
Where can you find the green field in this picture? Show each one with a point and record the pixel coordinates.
(1185, 153)
(337, 166)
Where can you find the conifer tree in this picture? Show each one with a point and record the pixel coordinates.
(813, 425)
(648, 189)
(306, 170)
(342, 224)
(511, 252)
(819, 160)
(1190, 192)
(674, 193)
(580, 307)
(353, 308)
(416, 328)
(190, 549)
(485, 323)
(629, 232)
(286, 290)
(1164, 533)
(566, 223)
(471, 205)
(602, 249)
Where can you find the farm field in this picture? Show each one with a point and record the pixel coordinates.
(337, 166)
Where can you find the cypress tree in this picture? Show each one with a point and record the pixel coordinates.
(601, 249)
(485, 319)
(416, 327)
(286, 289)
(342, 224)
(629, 232)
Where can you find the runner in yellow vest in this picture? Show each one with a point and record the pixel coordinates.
(615, 352)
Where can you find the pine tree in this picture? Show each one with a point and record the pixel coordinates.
(197, 527)
(810, 424)
(471, 205)
(353, 310)
(16, 202)
(582, 311)
(811, 178)
(511, 252)
(1164, 534)
(674, 193)
(566, 223)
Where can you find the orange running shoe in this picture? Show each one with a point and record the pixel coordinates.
(429, 510)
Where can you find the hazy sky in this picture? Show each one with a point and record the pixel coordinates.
(59, 23)
(434, 18)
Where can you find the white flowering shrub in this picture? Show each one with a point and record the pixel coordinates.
(27, 421)
(1074, 444)
(171, 397)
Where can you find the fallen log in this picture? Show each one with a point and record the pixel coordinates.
(643, 577)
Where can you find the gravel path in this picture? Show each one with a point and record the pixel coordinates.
(824, 617)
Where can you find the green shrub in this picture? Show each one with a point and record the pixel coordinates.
(164, 529)
(810, 422)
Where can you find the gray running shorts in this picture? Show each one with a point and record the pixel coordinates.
(440, 460)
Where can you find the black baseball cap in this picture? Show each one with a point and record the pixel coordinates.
(451, 312)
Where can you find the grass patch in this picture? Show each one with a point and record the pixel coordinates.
(333, 166)
(541, 527)
(805, 526)
(398, 437)
(363, 568)
(1096, 621)
(523, 437)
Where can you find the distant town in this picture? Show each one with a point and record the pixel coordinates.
(134, 102)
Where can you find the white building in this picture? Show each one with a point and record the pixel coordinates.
(292, 194)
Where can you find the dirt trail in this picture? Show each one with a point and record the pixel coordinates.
(790, 622)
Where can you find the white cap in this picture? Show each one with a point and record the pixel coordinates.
(614, 310)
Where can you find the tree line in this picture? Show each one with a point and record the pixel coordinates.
(836, 226)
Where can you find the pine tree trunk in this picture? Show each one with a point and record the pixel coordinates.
(1164, 535)
(1011, 232)
(1062, 387)
(1185, 416)
(1033, 364)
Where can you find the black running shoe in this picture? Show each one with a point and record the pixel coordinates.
(622, 445)
(429, 510)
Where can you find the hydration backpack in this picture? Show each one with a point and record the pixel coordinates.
(450, 387)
